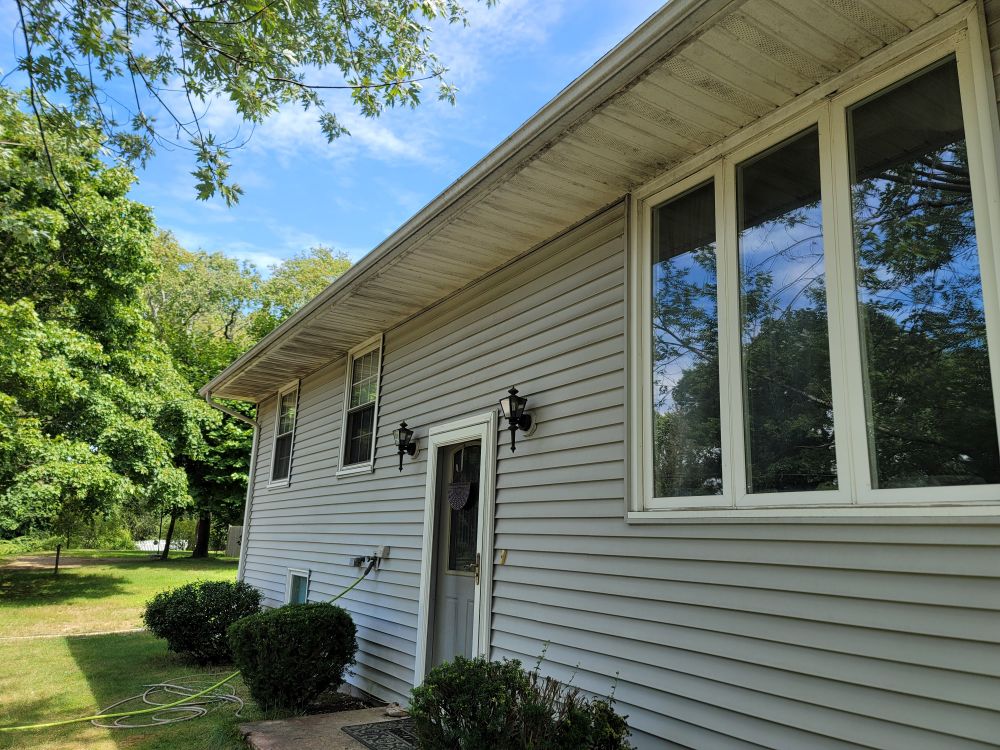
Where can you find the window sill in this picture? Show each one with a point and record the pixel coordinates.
(278, 484)
(349, 471)
(950, 513)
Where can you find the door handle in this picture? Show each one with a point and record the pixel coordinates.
(474, 567)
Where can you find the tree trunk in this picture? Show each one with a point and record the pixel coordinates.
(201, 534)
(170, 534)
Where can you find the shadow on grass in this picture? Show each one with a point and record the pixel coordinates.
(122, 665)
(25, 711)
(181, 563)
(29, 588)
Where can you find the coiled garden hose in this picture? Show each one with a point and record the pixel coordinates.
(185, 708)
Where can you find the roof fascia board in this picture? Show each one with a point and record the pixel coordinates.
(668, 28)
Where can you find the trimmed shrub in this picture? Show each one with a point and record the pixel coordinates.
(289, 655)
(469, 704)
(194, 618)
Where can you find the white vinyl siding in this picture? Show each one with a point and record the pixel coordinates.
(745, 635)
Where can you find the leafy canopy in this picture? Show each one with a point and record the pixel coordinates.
(93, 415)
(144, 69)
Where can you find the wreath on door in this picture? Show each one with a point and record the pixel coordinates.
(460, 494)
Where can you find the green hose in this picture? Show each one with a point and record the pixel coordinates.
(120, 714)
(155, 709)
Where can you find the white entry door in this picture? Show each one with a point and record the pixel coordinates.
(456, 569)
(457, 552)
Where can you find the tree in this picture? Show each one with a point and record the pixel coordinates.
(294, 282)
(93, 415)
(200, 304)
(119, 64)
(208, 309)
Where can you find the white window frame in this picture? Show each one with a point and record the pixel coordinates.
(367, 466)
(284, 481)
(301, 573)
(959, 33)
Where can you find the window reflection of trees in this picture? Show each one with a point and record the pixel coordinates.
(930, 402)
(927, 378)
(786, 358)
(686, 432)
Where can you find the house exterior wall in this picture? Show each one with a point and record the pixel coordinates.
(719, 635)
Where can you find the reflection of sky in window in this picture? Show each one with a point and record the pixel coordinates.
(906, 299)
(687, 283)
(789, 250)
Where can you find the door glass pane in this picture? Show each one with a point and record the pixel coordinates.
(687, 443)
(463, 504)
(928, 394)
(786, 352)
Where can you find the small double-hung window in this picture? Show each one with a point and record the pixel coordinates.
(284, 434)
(364, 366)
(814, 317)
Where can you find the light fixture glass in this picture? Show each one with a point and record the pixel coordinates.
(402, 436)
(512, 407)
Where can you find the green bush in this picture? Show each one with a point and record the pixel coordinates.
(194, 618)
(475, 703)
(289, 655)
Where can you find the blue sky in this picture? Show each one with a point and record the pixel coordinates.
(301, 191)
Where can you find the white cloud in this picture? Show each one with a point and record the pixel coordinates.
(260, 259)
(295, 132)
(398, 135)
(493, 33)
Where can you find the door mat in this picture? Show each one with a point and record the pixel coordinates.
(385, 735)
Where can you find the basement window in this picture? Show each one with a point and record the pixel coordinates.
(364, 369)
(810, 329)
(297, 587)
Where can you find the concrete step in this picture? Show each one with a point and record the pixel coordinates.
(317, 732)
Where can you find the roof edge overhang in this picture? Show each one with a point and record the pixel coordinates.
(667, 29)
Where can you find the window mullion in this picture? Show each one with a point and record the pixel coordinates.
(730, 380)
(856, 423)
(980, 131)
(838, 264)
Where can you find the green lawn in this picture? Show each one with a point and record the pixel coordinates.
(47, 679)
(106, 592)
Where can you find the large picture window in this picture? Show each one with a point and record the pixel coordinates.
(364, 366)
(813, 313)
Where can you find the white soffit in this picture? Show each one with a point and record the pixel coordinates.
(696, 72)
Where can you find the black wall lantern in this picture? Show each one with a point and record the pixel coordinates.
(403, 437)
(512, 408)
